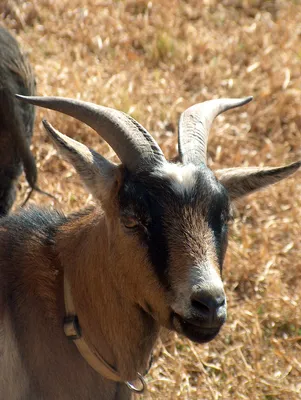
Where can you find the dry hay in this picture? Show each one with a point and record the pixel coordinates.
(153, 59)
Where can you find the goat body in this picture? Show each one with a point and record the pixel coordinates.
(36, 360)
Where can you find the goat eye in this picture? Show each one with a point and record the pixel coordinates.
(130, 222)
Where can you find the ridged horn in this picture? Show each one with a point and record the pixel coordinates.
(130, 140)
(195, 124)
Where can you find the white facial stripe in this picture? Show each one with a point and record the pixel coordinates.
(182, 176)
(204, 276)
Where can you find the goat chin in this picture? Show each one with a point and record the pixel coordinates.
(193, 331)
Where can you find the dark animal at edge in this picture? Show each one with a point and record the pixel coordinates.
(16, 120)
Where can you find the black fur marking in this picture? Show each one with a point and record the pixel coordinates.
(149, 198)
(218, 211)
(218, 218)
(136, 198)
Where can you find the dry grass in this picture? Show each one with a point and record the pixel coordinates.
(153, 59)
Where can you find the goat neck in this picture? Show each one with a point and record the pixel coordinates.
(111, 321)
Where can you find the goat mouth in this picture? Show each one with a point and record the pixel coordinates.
(193, 330)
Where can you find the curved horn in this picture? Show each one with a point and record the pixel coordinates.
(131, 142)
(195, 124)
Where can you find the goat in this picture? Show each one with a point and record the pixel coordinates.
(16, 120)
(148, 254)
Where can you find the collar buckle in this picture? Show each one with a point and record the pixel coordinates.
(72, 328)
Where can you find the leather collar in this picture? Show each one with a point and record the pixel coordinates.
(73, 331)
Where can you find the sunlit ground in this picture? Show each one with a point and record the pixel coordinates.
(153, 60)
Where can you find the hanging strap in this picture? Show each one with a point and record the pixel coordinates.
(73, 331)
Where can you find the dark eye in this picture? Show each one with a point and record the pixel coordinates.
(130, 222)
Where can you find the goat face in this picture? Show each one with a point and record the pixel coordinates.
(167, 223)
(179, 215)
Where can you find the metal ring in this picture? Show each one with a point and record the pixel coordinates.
(133, 388)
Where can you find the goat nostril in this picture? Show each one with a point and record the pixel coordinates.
(201, 307)
(207, 304)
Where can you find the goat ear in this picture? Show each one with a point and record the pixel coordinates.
(98, 174)
(242, 181)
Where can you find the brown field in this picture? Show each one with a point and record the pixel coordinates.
(153, 59)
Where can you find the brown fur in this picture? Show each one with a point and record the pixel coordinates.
(117, 292)
(42, 354)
